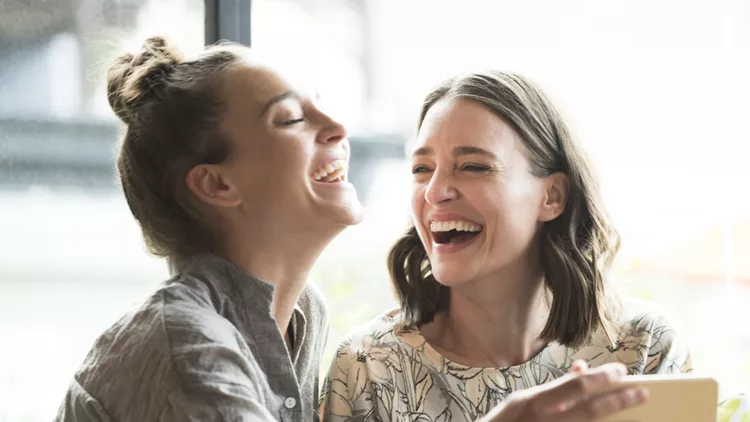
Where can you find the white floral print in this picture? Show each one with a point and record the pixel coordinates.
(383, 374)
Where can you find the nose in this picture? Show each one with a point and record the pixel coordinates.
(440, 189)
(332, 131)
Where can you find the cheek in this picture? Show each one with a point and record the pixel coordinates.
(517, 214)
(263, 173)
(417, 202)
(283, 157)
(418, 210)
(524, 193)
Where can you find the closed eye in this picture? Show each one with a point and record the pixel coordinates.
(475, 168)
(292, 121)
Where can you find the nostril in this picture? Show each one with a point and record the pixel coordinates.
(330, 137)
(336, 138)
(335, 132)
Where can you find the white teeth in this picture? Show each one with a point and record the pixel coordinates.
(329, 168)
(463, 226)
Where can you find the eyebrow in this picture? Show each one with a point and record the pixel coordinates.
(457, 152)
(278, 98)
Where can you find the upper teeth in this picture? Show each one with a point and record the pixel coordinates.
(463, 226)
(330, 168)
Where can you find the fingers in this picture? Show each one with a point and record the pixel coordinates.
(605, 404)
(573, 388)
(581, 395)
(579, 366)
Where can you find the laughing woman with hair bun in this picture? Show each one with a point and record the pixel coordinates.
(239, 179)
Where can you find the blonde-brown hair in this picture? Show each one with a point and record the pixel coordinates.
(171, 108)
(578, 247)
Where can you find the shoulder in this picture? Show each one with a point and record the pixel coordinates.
(202, 340)
(368, 347)
(192, 308)
(137, 338)
(648, 339)
(179, 315)
(138, 349)
(378, 333)
(369, 357)
(667, 345)
(647, 321)
(375, 352)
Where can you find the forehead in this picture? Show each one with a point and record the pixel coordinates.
(251, 84)
(451, 123)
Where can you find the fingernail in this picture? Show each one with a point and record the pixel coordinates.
(641, 394)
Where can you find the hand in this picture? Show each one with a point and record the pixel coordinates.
(576, 397)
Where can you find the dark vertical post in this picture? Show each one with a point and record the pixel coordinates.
(228, 20)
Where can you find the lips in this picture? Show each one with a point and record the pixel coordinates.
(453, 230)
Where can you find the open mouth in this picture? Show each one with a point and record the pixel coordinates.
(454, 232)
(333, 172)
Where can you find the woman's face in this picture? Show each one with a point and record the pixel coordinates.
(289, 159)
(475, 204)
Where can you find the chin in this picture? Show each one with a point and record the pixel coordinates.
(450, 275)
(337, 203)
(346, 215)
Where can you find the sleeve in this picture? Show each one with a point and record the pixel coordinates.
(668, 352)
(80, 406)
(347, 391)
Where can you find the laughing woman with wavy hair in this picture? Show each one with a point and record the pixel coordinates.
(502, 278)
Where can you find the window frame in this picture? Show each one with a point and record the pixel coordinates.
(228, 20)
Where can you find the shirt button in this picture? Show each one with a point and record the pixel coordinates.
(290, 402)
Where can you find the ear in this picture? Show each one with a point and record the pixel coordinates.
(209, 184)
(557, 189)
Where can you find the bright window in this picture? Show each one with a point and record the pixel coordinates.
(71, 257)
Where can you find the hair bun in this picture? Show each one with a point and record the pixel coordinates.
(131, 77)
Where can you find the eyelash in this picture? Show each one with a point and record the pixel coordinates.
(292, 122)
(468, 167)
(475, 168)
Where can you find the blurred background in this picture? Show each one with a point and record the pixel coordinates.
(658, 90)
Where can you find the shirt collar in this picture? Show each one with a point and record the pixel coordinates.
(234, 282)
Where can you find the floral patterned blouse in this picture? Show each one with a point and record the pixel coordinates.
(385, 374)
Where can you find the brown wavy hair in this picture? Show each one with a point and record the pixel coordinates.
(170, 107)
(578, 247)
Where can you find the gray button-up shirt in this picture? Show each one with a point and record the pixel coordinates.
(203, 347)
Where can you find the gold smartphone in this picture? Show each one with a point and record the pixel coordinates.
(672, 398)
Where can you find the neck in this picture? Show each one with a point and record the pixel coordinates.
(283, 261)
(495, 322)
